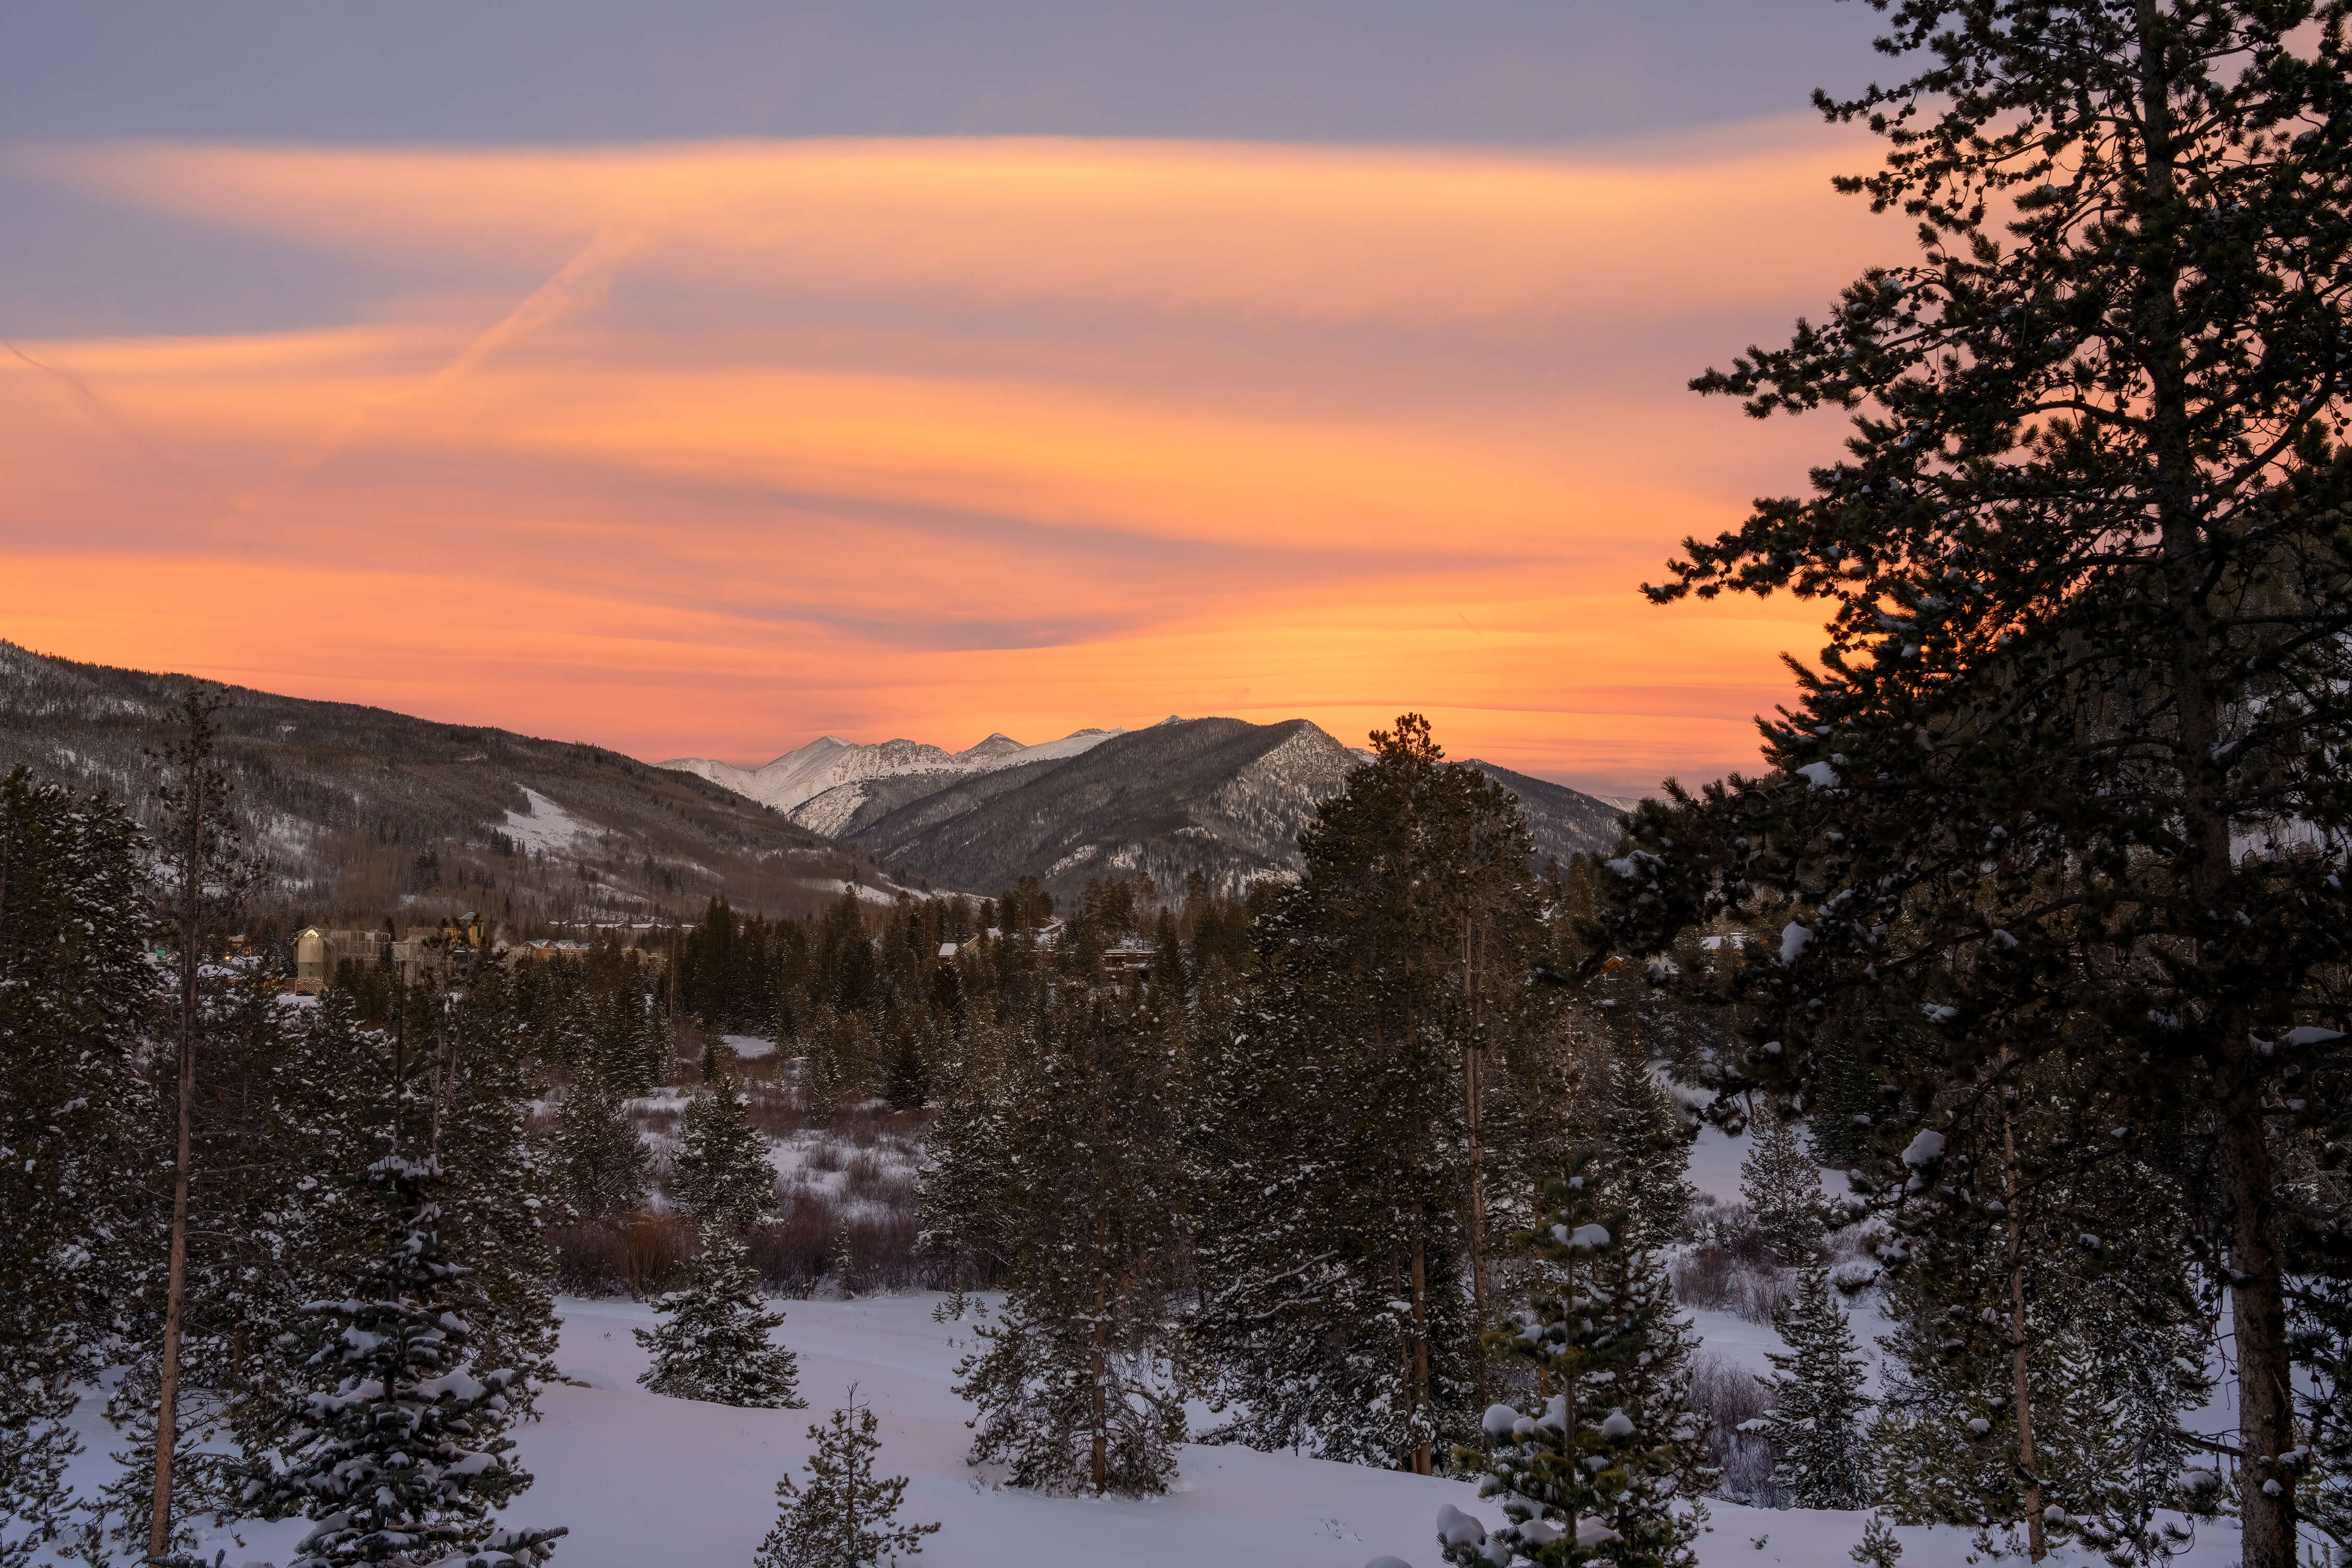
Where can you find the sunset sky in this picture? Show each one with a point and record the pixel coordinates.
(701, 379)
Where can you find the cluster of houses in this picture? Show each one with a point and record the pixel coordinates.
(457, 941)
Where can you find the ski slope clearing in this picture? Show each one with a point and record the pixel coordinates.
(644, 1479)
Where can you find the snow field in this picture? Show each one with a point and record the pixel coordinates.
(642, 1479)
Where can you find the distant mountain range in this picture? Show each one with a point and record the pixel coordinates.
(365, 814)
(1221, 797)
(829, 762)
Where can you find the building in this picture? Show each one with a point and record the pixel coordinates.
(318, 952)
(434, 950)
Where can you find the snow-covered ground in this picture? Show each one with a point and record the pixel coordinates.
(750, 1048)
(548, 826)
(642, 1479)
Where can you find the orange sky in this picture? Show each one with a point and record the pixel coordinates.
(708, 448)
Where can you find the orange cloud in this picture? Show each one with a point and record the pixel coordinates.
(1317, 233)
(760, 440)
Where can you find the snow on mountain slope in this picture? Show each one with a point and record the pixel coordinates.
(829, 762)
(1216, 797)
(641, 1479)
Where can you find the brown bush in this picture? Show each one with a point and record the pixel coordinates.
(638, 1254)
(796, 1251)
(1706, 1278)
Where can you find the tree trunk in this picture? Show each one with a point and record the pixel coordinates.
(1423, 1460)
(2258, 1317)
(2020, 1364)
(1099, 1407)
(1473, 1095)
(167, 1403)
(2266, 1500)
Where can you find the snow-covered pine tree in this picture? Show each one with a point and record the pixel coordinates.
(1844, 1094)
(1344, 1196)
(2323, 1327)
(961, 1215)
(1815, 1428)
(1610, 1467)
(845, 1517)
(205, 873)
(1782, 1187)
(1639, 1143)
(1076, 1389)
(2044, 1305)
(75, 996)
(498, 1199)
(601, 1161)
(820, 1065)
(401, 1455)
(716, 1345)
(721, 1175)
(1294, 1331)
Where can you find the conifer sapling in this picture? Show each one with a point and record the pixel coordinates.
(844, 1517)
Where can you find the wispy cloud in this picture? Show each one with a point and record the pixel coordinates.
(705, 447)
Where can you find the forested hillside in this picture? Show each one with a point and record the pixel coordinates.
(365, 814)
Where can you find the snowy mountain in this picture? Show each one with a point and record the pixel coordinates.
(829, 762)
(1219, 798)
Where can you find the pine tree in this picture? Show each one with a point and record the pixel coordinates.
(1640, 1149)
(1783, 1188)
(1075, 1391)
(2087, 696)
(716, 1345)
(1346, 1195)
(1815, 1427)
(401, 1455)
(721, 1175)
(500, 1194)
(207, 874)
(75, 993)
(964, 1218)
(1838, 1118)
(1610, 1467)
(843, 1518)
(601, 1160)
(1878, 1547)
(2044, 1354)
(2324, 1335)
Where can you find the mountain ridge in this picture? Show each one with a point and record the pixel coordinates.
(1222, 798)
(365, 814)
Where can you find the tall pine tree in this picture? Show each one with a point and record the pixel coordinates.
(75, 997)
(1076, 1388)
(2076, 748)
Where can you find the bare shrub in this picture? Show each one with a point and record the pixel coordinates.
(1706, 1278)
(654, 1249)
(1712, 1278)
(801, 1245)
(775, 1109)
(588, 1258)
(1729, 1225)
(636, 1254)
(1731, 1396)
(1764, 1290)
